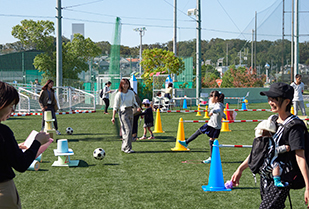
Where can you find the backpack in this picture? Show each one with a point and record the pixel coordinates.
(291, 172)
(101, 94)
(263, 150)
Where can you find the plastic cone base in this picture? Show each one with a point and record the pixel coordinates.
(215, 180)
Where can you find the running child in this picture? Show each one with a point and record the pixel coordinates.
(213, 127)
(148, 119)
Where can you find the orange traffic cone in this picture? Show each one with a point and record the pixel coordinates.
(180, 137)
(158, 125)
(225, 125)
(228, 115)
(206, 113)
(198, 111)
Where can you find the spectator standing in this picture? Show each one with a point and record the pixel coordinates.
(298, 100)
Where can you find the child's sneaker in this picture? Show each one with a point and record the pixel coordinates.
(144, 137)
(151, 137)
(183, 143)
(58, 132)
(207, 161)
(279, 183)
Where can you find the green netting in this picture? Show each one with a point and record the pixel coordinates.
(114, 66)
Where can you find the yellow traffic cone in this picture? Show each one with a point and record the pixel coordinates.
(225, 125)
(158, 125)
(206, 113)
(292, 110)
(180, 137)
(198, 109)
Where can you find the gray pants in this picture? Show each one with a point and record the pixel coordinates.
(126, 121)
(298, 104)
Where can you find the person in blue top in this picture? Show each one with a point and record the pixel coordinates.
(213, 127)
(11, 154)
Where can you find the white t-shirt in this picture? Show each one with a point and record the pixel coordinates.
(298, 91)
(123, 100)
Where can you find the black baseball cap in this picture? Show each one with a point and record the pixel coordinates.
(279, 90)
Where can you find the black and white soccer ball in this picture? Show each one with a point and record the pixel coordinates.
(99, 153)
(69, 130)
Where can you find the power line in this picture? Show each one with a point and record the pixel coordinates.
(77, 5)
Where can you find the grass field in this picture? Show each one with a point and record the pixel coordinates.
(153, 177)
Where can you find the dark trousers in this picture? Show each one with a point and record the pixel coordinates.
(106, 101)
(50, 108)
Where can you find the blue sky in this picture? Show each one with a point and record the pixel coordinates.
(225, 19)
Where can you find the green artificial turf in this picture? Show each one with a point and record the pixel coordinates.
(153, 177)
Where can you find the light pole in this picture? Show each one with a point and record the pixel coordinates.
(197, 13)
(267, 67)
(141, 33)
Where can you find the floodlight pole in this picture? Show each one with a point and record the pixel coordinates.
(197, 13)
(296, 38)
(59, 49)
(141, 33)
(198, 50)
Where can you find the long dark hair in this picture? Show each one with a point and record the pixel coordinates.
(123, 81)
(219, 95)
(46, 84)
(8, 94)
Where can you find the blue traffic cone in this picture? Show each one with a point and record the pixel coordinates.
(243, 105)
(215, 180)
(184, 106)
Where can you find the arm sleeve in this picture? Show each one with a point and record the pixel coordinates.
(296, 138)
(117, 101)
(18, 159)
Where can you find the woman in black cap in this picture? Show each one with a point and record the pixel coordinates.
(280, 96)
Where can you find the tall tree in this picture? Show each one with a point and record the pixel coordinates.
(75, 54)
(159, 60)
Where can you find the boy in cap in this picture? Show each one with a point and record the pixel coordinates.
(148, 119)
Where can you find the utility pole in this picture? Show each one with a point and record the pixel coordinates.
(198, 51)
(255, 37)
(227, 55)
(175, 29)
(252, 51)
(141, 33)
(59, 48)
(296, 49)
(292, 44)
(282, 58)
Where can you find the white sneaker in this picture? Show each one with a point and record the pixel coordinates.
(58, 132)
(207, 161)
(129, 151)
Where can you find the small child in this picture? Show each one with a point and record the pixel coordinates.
(148, 119)
(266, 128)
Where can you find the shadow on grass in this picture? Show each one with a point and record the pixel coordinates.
(165, 151)
(85, 134)
(246, 188)
(234, 162)
(43, 170)
(111, 164)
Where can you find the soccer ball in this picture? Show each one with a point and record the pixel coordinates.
(69, 130)
(99, 153)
